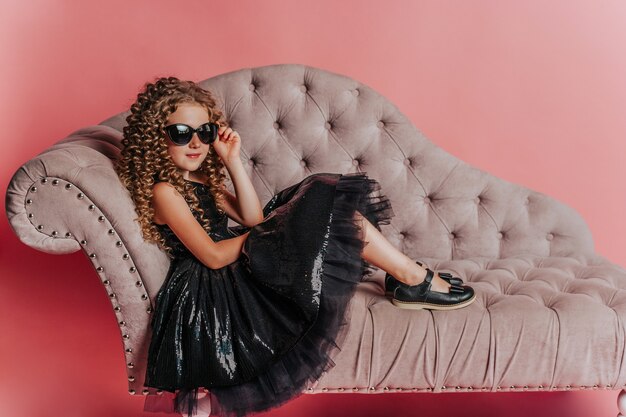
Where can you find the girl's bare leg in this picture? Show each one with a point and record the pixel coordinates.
(379, 252)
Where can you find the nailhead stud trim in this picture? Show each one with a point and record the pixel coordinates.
(458, 387)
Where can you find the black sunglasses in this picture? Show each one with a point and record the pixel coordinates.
(181, 134)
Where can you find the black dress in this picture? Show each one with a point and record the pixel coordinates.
(254, 333)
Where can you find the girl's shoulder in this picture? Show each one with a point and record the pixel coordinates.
(201, 188)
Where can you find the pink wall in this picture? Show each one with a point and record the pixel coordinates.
(532, 91)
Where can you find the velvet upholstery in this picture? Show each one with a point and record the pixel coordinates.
(549, 313)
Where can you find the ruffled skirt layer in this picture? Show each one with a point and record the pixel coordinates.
(254, 334)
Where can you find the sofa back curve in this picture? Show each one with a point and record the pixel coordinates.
(295, 120)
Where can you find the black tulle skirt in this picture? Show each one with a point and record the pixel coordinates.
(252, 335)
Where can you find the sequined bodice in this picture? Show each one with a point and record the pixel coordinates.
(218, 222)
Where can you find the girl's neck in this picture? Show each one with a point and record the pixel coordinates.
(195, 178)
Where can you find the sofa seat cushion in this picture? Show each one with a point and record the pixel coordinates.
(539, 322)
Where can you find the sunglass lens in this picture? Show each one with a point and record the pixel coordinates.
(208, 132)
(179, 133)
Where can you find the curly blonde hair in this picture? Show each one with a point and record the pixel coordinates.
(144, 156)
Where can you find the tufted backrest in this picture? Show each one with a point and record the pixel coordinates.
(295, 120)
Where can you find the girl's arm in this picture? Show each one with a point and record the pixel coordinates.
(245, 204)
(174, 211)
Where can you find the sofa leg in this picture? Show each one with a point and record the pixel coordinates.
(621, 403)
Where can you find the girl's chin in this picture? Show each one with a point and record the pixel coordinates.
(188, 166)
(192, 161)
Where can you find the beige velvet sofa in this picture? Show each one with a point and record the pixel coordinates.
(550, 313)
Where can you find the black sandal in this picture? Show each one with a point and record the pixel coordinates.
(416, 297)
(391, 282)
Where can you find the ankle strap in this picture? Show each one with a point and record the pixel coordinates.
(429, 275)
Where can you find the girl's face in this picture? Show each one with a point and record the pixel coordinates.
(194, 115)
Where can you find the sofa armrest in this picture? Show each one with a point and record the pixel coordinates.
(69, 198)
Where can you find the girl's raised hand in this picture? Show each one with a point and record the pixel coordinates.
(228, 144)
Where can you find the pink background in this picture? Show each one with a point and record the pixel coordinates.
(531, 91)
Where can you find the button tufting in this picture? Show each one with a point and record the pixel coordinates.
(302, 162)
(427, 199)
(276, 125)
(355, 162)
(451, 235)
(303, 88)
(251, 87)
(549, 236)
(250, 161)
(402, 235)
(407, 161)
(355, 92)
(327, 125)
(500, 235)
(477, 200)
(380, 123)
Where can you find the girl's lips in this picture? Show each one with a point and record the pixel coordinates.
(193, 155)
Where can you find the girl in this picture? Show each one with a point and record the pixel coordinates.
(252, 313)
